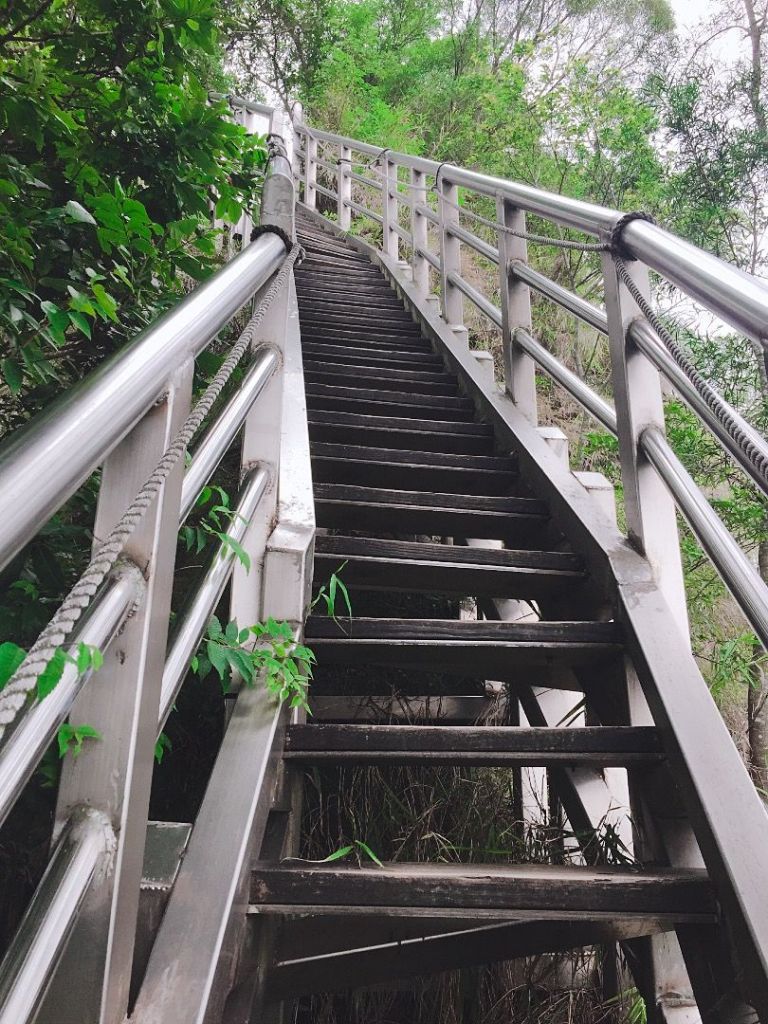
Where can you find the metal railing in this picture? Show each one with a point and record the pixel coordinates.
(654, 479)
(72, 956)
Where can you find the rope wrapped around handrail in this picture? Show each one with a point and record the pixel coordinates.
(20, 686)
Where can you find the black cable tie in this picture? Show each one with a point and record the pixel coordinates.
(381, 154)
(617, 246)
(436, 186)
(272, 229)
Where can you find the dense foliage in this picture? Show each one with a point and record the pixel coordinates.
(110, 157)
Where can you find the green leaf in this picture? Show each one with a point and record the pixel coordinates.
(11, 656)
(239, 550)
(51, 674)
(12, 374)
(81, 322)
(343, 851)
(218, 657)
(79, 213)
(368, 852)
(71, 737)
(163, 744)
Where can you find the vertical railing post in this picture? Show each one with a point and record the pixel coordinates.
(650, 510)
(262, 429)
(419, 232)
(450, 257)
(390, 237)
(344, 212)
(114, 773)
(519, 368)
(310, 171)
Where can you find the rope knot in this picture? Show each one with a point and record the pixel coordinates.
(617, 245)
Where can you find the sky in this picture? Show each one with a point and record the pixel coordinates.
(689, 12)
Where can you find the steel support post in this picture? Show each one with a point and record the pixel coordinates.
(390, 239)
(114, 773)
(450, 257)
(650, 509)
(310, 171)
(344, 212)
(419, 232)
(519, 368)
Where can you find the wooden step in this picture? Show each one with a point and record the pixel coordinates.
(373, 361)
(459, 406)
(482, 746)
(335, 431)
(382, 303)
(373, 564)
(369, 355)
(521, 522)
(492, 650)
(323, 334)
(525, 891)
(362, 373)
(387, 467)
(382, 296)
(372, 380)
(367, 323)
(377, 407)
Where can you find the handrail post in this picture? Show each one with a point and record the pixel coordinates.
(113, 774)
(519, 368)
(262, 429)
(344, 212)
(419, 233)
(390, 237)
(450, 257)
(650, 509)
(310, 171)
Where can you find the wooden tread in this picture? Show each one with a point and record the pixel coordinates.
(373, 564)
(492, 650)
(390, 467)
(486, 746)
(398, 432)
(440, 402)
(538, 891)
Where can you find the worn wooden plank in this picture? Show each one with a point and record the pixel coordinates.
(488, 746)
(324, 333)
(334, 431)
(539, 891)
(368, 353)
(405, 423)
(519, 530)
(502, 464)
(450, 569)
(431, 401)
(410, 410)
(369, 323)
(390, 467)
(450, 949)
(328, 375)
(408, 375)
(366, 547)
(495, 650)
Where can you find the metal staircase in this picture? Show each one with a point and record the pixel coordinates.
(372, 436)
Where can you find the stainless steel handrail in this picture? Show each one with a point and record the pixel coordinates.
(738, 298)
(216, 441)
(21, 753)
(736, 570)
(84, 847)
(50, 457)
(196, 616)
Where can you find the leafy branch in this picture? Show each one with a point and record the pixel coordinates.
(266, 649)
